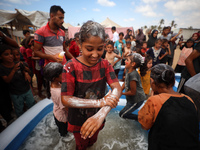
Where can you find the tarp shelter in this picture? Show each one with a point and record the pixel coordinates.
(107, 24)
(186, 33)
(22, 18)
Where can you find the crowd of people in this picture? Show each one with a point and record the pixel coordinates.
(76, 81)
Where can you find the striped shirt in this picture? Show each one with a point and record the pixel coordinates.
(52, 42)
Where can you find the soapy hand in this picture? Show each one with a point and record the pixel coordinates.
(109, 100)
(91, 125)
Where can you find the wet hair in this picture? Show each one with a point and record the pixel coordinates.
(54, 9)
(76, 35)
(121, 33)
(25, 31)
(137, 58)
(51, 71)
(113, 28)
(28, 42)
(91, 28)
(144, 68)
(110, 43)
(162, 73)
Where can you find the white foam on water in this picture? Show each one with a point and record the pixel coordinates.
(117, 134)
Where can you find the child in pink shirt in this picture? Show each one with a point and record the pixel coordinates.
(53, 73)
(185, 52)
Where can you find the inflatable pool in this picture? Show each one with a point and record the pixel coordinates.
(126, 133)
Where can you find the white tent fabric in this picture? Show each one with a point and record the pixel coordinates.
(66, 25)
(109, 23)
(20, 18)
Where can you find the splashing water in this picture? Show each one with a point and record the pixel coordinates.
(117, 134)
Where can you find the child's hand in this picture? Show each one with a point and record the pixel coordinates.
(91, 125)
(16, 67)
(168, 46)
(109, 100)
(27, 77)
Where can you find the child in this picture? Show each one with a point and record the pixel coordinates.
(133, 87)
(14, 73)
(144, 73)
(126, 52)
(133, 43)
(120, 44)
(166, 49)
(53, 74)
(83, 87)
(170, 116)
(144, 49)
(186, 51)
(110, 55)
(156, 52)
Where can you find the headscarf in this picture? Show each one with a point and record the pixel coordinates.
(140, 36)
(151, 40)
(197, 36)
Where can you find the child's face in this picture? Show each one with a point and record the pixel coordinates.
(121, 37)
(158, 45)
(109, 48)
(128, 63)
(149, 64)
(189, 44)
(7, 56)
(144, 45)
(165, 44)
(16, 55)
(194, 37)
(166, 31)
(92, 50)
(128, 46)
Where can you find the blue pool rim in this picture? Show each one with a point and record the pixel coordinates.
(20, 138)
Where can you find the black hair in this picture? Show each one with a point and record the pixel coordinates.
(121, 33)
(164, 41)
(67, 42)
(76, 35)
(128, 42)
(165, 28)
(110, 43)
(3, 48)
(144, 42)
(144, 68)
(158, 40)
(113, 28)
(27, 43)
(25, 31)
(54, 9)
(162, 73)
(51, 71)
(91, 28)
(137, 58)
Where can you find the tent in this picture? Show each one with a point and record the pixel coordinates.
(107, 24)
(22, 18)
(66, 25)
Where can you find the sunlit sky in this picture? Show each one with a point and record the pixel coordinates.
(126, 13)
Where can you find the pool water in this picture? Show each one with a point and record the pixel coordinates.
(118, 134)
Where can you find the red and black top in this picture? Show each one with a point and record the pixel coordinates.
(87, 82)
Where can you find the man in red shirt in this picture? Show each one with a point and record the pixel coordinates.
(74, 48)
(51, 37)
